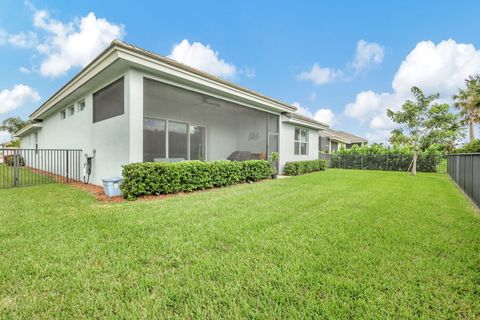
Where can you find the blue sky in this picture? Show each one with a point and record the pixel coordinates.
(342, 62)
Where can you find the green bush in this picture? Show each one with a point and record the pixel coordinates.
(471, 147)
(9, 160)
(154, 178)
(296, 168)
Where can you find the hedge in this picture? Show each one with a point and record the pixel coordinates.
(296, 168)
(386, 162)
(155, 178)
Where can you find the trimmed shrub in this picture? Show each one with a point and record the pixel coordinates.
(386, 162)
(296, 168)
(154, 178)
(254, 170)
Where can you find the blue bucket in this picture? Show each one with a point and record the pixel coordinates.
(111, 186)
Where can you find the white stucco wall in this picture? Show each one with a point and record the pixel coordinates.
(287, 136)
(109, 138)
(119, 140)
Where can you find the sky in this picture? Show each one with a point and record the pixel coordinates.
(342, 62)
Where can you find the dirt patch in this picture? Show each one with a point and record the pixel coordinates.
(97, 191)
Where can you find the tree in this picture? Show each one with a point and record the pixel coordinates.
(398, 138)
(13, 124)
(426, 122)
(468, 102)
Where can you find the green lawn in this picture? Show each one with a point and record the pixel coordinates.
(25, 177)
(334, 244)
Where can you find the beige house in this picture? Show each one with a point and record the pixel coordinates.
(332, 140)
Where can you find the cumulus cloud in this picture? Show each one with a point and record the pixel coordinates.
(367, 54)
(20, 94)
(319, 75)
(203, 57)
(72, 44)
(433, 67)
(324, 115)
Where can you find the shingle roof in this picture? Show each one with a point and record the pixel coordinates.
(342, 135)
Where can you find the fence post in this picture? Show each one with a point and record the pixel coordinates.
(66, 158)
(15, 169)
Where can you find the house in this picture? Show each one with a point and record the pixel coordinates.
(332, 140)
(131, 105)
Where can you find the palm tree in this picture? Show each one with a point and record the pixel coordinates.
(468, 102)
(13, 124)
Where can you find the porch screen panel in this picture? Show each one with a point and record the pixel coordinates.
(177, 140)
(197, 142)
(154, 135)
(109, 101)
(272, 143)
(273, 123)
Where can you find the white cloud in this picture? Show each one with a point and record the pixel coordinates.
(24, 70)
(20, 40)
(323, 115)
(202, 57)
(312, 96)
(437, 68)
(367, 54)
(72, 44)
(19, 95)
(319, 75)
(433, 67)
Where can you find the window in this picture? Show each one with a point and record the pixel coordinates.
(177, 140)
(197, 142)
(109, 101)
(63, 114)
(301, 141)
(71, 110)
(172, 139)
(81, 106)
(154, 134)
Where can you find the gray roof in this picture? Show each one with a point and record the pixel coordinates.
(293, 115)
(342, 135)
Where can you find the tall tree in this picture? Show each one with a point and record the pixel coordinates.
(13, 124)
(425, 122)
(468, 102)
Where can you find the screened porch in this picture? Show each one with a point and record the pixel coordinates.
(179, 124)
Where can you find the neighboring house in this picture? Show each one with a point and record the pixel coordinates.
(331, 140)
(130, 105)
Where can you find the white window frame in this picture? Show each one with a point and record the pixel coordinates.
(300, 141)
(80, 108)
(71, 110)
(63, 114)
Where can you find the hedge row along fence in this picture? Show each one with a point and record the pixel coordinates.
(296, 168)
(388, 162)
(155, 178)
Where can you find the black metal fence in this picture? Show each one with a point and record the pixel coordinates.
(389, 162)
(464, 170)
(29, 167)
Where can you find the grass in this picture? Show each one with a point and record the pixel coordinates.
(335, 244)
(25, 177)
